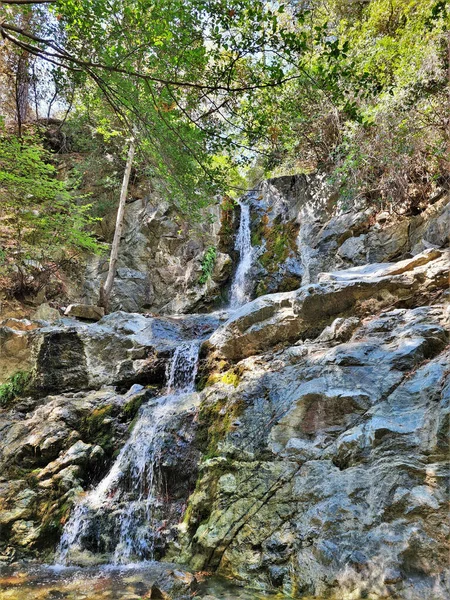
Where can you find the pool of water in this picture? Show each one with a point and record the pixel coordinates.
(108, 583)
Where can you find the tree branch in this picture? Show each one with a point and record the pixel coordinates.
(65, 56)
(28, 1)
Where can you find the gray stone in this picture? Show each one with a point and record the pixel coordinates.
(337, 480)
(222, 268)
(159, 261)
(285, 317)
(353, 249)
(85, 311)
(46, 313)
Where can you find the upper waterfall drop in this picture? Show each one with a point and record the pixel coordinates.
(127, 495)
(239, 293)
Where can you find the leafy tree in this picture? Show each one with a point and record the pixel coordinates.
(42, 226)
(370, 104)
(174, 71)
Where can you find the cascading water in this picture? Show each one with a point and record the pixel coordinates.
(120, 507)
(239, 294)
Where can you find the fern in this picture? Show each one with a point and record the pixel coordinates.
(207, 266)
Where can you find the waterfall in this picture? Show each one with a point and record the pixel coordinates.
(183, 368)
(239, 289)
(126, 496)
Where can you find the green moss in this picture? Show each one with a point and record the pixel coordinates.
(231, 377)
(215, 421)
(95, 431)
(131, 408)
(261, 288)
(259, 231)
(53, 517)
(281, 240)
(226, 230)
(289, 283)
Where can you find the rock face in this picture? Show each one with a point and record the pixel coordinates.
(328, 471)
(301, 228)
(159, 263)
(121, 348)
(51, 448)
(288, 316)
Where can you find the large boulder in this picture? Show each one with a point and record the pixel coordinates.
(121, 348)
(88, 312)
(159, 262)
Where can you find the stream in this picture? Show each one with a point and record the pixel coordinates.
(134, 582)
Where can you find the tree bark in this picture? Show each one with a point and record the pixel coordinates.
(106, 287)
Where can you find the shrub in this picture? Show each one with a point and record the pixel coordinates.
(42, 225)
(14, 387)
(208, 262)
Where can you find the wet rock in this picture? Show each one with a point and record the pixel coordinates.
(337, 479)
(60, 362)
(121, 348)
(49, 454)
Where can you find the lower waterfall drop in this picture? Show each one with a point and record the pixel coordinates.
(239, 294)
(120, 507)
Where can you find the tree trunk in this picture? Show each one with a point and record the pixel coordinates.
(105, 288)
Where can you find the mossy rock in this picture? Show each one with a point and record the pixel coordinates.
(227, 225)
(281, 240)
(215, 421)
(95, 431)
(231, 377)
(132, 407)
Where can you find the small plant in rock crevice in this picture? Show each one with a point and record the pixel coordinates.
(207, 266)
(13, 387)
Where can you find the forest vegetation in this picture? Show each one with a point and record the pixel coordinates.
(218, 94)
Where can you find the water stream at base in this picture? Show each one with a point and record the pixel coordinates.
(128, 490)
(239, 293)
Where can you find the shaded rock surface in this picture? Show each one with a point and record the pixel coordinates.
(299, 228)
(159, 263)
(51, 449)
